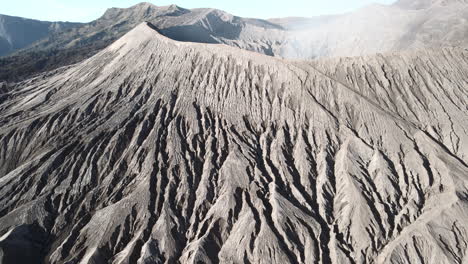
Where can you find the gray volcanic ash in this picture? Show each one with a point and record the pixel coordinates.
(157, 151)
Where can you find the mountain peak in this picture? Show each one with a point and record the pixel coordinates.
(144, 4)
(144, 10)
(143, 31)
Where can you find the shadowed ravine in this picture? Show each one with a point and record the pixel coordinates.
(157, 151)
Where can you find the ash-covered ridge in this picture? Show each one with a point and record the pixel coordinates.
(204, 25)
(157, 151)
(402, 26)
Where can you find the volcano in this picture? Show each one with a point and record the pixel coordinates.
(159, 151)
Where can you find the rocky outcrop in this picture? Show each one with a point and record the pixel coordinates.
(157, 151)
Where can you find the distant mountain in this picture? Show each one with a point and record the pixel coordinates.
(405, 25)
(196, 25)
(424, 4)
(17, 33)
(414, 4)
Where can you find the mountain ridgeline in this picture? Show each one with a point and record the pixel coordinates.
(160, 151)
(405, 25)
(197, 25)
(18, 33)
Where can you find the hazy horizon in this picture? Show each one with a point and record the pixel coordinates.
(86, 10)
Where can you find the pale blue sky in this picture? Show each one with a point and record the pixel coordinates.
(88, 10)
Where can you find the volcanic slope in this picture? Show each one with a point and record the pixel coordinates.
(157, 151)
(204, 25)
(405, 25)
